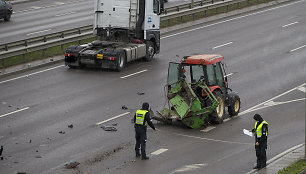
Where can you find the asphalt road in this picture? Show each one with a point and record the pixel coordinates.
(265, 57)
(37, 18)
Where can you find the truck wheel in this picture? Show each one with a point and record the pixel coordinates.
(150, 51)
(7, 17)
(218, 113)
(121, 61)
(233, 110)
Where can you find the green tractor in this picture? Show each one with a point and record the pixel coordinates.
(197, 92)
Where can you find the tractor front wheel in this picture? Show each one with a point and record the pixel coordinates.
(218, 113)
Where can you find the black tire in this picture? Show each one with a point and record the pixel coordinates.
(234, 109)
(150, 51)
(121, 61)
(218, 114)
(7, 17)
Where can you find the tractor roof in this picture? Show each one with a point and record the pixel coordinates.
(203, 59)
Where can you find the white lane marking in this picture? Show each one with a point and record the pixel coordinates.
(112, 118)
(303, 89)
(272, 160)
(227, 75)
(134, 74)
(59, 3)
(263, 103)
(36, 7)
(30, 74)
(209, 139)
(251, 14)
(188, 168)
(297, 48)
(10, 113)
(159, 151)
(64, 14)
(208, 128)
(222, 45)
(290, 24)
(39, 32)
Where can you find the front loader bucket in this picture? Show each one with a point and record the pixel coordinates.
(186, 106)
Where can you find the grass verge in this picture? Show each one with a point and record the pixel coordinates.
(295, 168)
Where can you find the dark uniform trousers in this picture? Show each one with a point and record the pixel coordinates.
(141, 138)
(261, 154)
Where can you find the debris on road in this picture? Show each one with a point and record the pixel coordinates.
(140, 93)
(61, 132)
(72, 165)
(21, 173)
(70, 126)
(109, 128)
(1, 150)
(30, 141)
(124, 107)
(38, 156)
(114, 124)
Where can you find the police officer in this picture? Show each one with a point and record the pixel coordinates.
(141, 120)
(261, 134)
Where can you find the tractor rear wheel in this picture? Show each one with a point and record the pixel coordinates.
(233, 110)
(218, 113)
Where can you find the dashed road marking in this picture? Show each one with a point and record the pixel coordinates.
(208, 128)
(10, 113)
(290, 24)
(188, 168)
(227, 75)
(118, 116)
(64, 14)
(297, 48)
(222, 45)
(39, 32)
(134, 74)
(159, 151)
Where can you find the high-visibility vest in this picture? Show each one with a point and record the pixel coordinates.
(258, 130)
(140, 117)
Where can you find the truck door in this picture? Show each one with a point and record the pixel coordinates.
(152, 12)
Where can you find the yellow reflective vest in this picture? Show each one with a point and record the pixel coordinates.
(258, 130)
(140, 117)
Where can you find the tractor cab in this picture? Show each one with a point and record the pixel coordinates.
(198, 68)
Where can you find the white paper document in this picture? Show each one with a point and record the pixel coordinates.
(247, 132)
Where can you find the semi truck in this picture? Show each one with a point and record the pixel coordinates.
(126, 29)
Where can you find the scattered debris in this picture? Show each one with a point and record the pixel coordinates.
(70, 126)
(124, 107)
(1, 158)
(21, 173)
(114, 124)
(109, 128)
(51, 59)
(18, 108)
(10, 106)
(61, 132)
(36, 150)
(30, 141)
(72, 165)
(1, 150)
(38, 156)
(140, 93)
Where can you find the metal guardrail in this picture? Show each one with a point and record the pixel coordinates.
(59, 39)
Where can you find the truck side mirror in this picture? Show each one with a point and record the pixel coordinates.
(162, 7)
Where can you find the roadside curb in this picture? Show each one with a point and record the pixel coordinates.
(276, 159)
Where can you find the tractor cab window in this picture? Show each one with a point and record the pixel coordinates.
(173, 74)
(219, 74)
(156, 6)
(197, 73)
(211, 75)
